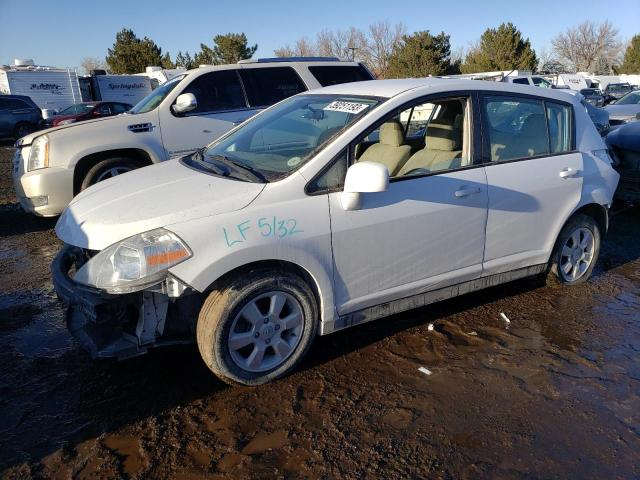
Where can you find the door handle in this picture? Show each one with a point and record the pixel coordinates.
(466, 191)
(568, 172)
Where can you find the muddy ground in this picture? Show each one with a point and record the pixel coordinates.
(556, 394)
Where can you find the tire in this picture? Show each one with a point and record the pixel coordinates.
(22, 129)
(108, 168)
(571, 263)
(224, 320)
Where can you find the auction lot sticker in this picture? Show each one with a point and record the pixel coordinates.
(346, 107)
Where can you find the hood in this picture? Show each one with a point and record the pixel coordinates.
(148, 198)
(28, 139)
(622, 110)
(626, 137)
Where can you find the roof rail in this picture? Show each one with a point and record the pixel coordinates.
(289, 59)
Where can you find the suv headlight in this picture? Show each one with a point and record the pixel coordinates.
(39, 154)
(134, 263)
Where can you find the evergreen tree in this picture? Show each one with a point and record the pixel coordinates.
(631, 61)
(131, 54)
(227, 49)
(184, 60)
(420, 55)
(501, 48)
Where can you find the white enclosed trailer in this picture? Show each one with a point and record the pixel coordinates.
(50, 88)
(122, 88)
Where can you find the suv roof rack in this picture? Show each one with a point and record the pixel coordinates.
(289, 59)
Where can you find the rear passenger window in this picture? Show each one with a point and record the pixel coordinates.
(333, 75)
(517, 128)
(217, 91)
(266, 86)
(560, 128)
(522, 81)
(15, 104)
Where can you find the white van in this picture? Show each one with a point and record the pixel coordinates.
(181, 116)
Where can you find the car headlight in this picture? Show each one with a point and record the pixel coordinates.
(66, 122)
(39, 154)
(134, 263)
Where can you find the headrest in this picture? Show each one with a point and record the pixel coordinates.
(441, 136)
(391, 133)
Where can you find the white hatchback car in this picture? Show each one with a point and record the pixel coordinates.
(332, 208)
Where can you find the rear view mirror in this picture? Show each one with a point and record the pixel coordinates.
(363, 177)
(185, 103)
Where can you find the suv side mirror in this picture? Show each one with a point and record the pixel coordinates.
(363, 177)
(185, 103)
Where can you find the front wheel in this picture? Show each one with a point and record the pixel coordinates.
(576, 250)
(108, 168)
(256, 327)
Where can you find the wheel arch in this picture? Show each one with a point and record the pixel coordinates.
(85, 163)
(318, 282)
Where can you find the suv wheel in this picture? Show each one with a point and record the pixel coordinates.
(576, 250)
(257, 327)
(22, 129)
(108, 168)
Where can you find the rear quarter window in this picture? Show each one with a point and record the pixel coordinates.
(336, 74)
(266, 86)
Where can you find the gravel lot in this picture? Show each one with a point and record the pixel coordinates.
(556, 394)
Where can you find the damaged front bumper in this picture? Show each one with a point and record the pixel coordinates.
(120, 326)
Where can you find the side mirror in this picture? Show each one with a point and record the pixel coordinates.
(185, 103)
(363, 177)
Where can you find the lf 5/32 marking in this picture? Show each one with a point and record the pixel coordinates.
(266, 226)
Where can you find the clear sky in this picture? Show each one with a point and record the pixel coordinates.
(62, 32)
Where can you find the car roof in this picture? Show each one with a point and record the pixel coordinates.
(392, 88)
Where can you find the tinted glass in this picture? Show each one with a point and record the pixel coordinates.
(541, 82)
(517, 128)
(217, 91)
(15, 104)
(119, 108)
(103, 109)
(522, 81)
(333, 75)
(559, 121)
(266, 86)
(156, 97)
(332, 179)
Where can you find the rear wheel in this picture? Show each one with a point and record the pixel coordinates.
(257, 327)
(576, 250)
(108, 168)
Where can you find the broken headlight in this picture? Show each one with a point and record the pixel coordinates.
(134, 263)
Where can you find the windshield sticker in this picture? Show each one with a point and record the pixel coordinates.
(346, 107)
(293, 161)
(266, 227)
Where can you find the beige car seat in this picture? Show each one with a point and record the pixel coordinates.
(442, 150)
(390, 150)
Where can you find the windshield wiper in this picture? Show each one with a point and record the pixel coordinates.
(197, 157)
(256, 174)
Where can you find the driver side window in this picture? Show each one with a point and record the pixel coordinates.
(422, 139)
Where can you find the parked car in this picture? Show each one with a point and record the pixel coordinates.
(615, 91)
(89, 111)
(593, 96)
(177, 118)
(297, 224)
(624, 145)
(19, 116)
(625, 110)
(533, 80)
(599, 116)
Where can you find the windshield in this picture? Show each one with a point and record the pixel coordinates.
(156, 97)
(77, 109)
(284, 137)
(631, 98)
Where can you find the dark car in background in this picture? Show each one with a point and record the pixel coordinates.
(593, 96)
(88, 111)
(624, 145)
(19, 116)
(615, 91)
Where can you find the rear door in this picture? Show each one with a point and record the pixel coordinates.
(534, 176)
(5, 119)
(221, 105)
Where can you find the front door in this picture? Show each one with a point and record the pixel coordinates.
(427, 230)
(221, 106)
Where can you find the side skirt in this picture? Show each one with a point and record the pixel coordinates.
(420, 300)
